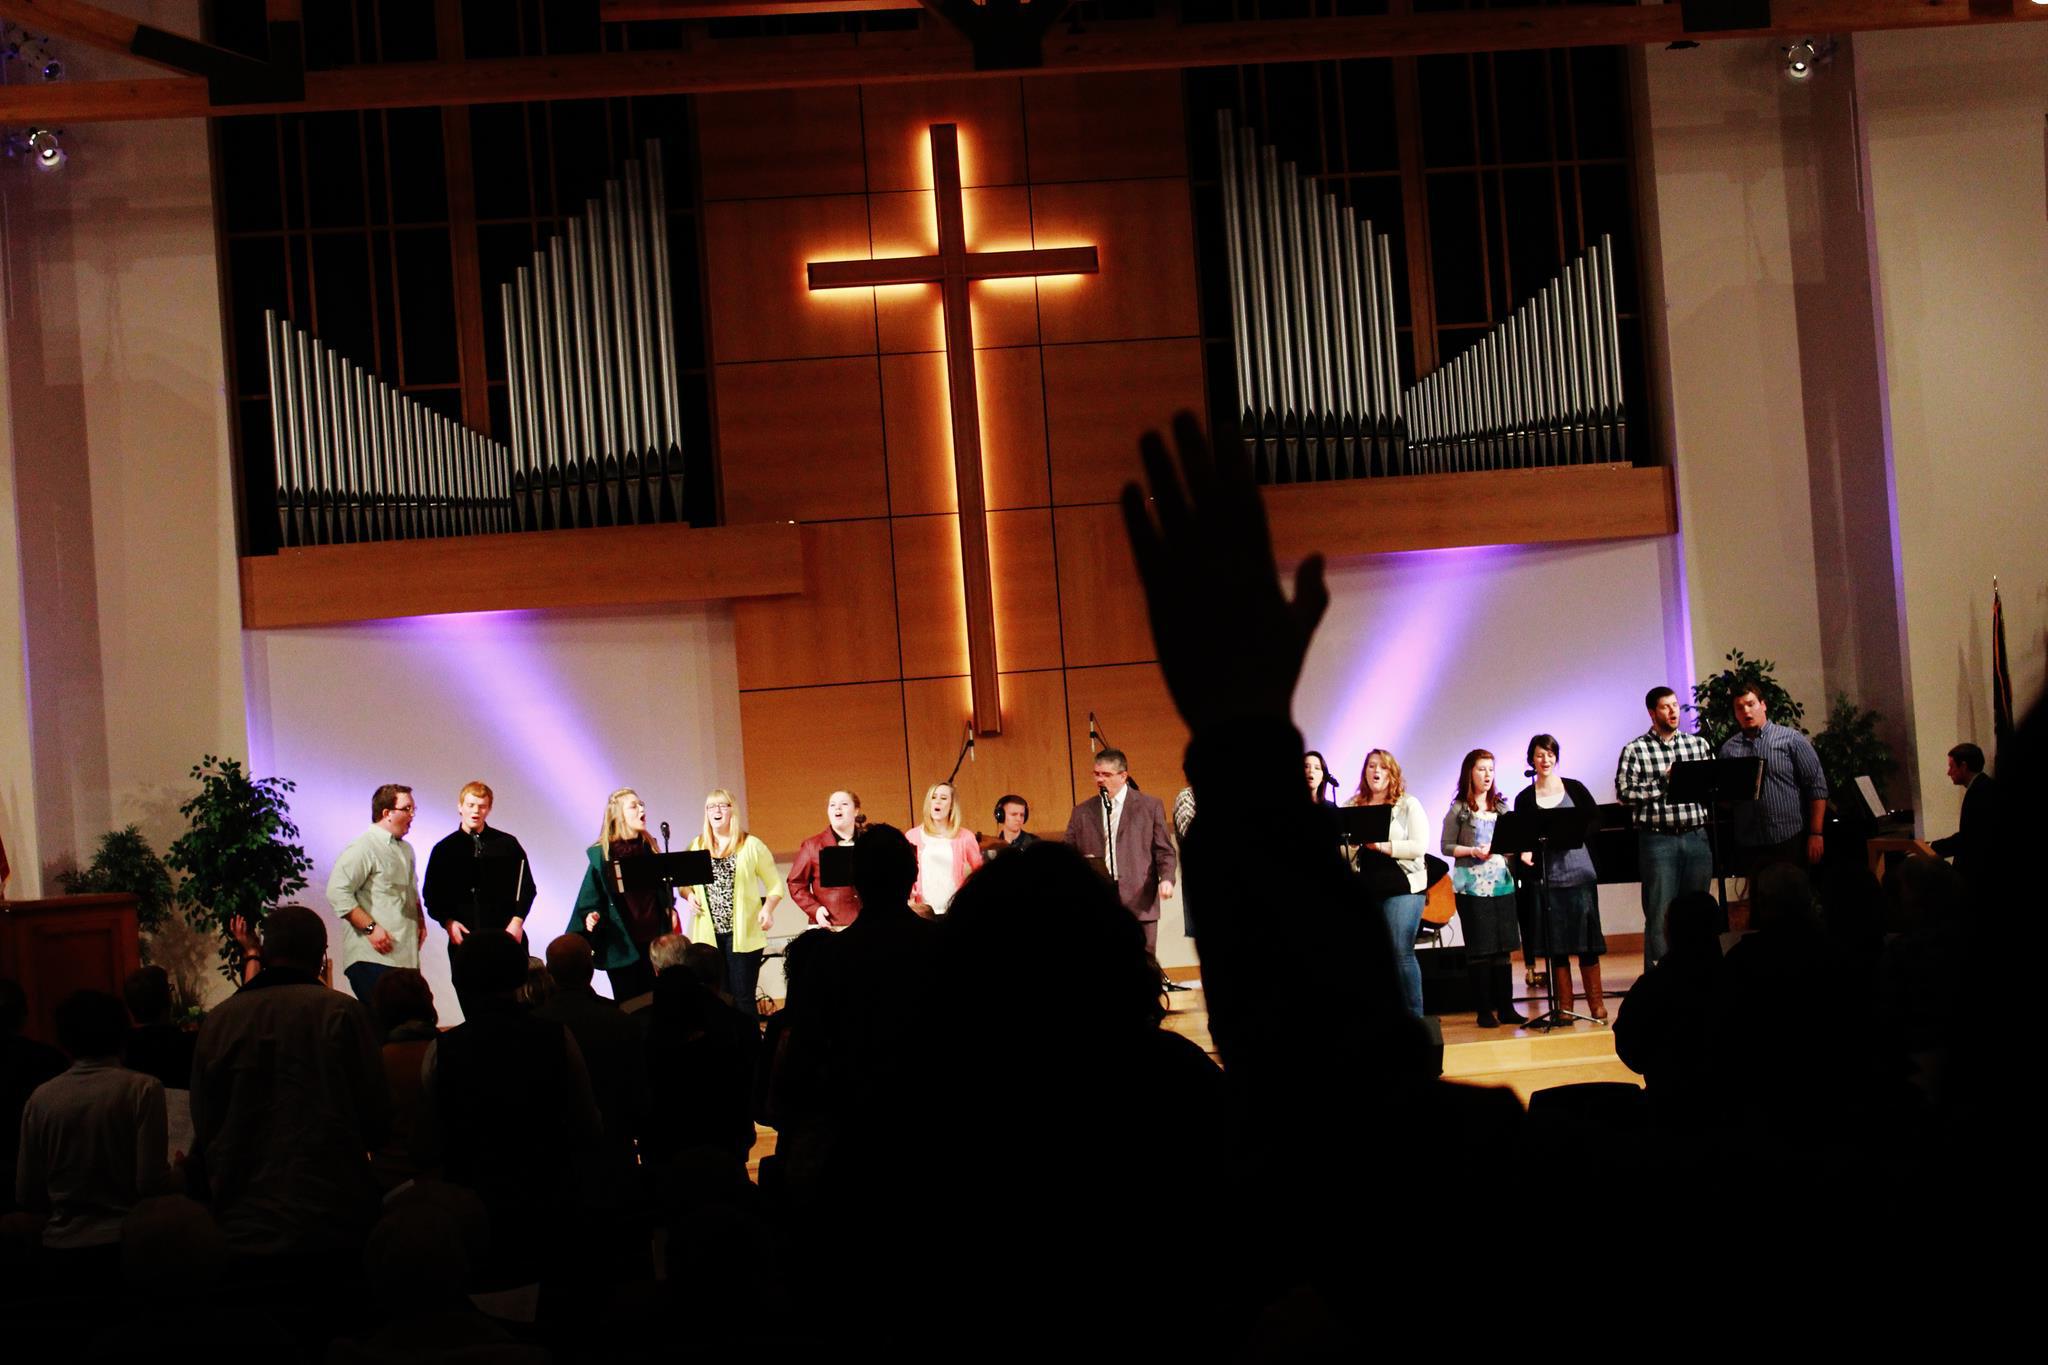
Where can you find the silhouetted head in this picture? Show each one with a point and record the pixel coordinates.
(171, 1249)
(670, 950)
(884, 868)
(1781, 896)
(295, 938)
(802, 960)
(1693, 923)
(705, 962)
(92, 1024)
(147, 993)
(419, 1254)
(1101, 978)
(400, 997)
(487, 968)
(570, 961)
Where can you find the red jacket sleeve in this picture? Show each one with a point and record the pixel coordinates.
(803, 879)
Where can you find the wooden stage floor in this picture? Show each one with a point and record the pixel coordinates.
(1524, 1060)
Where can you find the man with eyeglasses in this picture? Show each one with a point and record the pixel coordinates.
(375, 888)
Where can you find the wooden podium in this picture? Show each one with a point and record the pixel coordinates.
(64, 944)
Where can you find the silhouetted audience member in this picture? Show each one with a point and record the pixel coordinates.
(156, 1046)
(707, 963)
(1926, 974)
(174, 1265)
(611, 1044)
(701, 1059)
(288, 1100)
(1665, 1029)
(419, 1263)
(93, 1138)
(402, 1003)
(25, 1063)
(539, 986)
(508, 1113)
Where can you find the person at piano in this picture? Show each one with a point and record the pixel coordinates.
(1484, 890)
(1011, 812)
(1970, 846)
(620, 924)
(1671, 836)
(1570, 923)
(1381, 784)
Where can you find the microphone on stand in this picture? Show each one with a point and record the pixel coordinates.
(1094, 736)
(1528, 772)
(664, 836)
(970, 741)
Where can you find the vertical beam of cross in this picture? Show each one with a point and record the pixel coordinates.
(953, 269)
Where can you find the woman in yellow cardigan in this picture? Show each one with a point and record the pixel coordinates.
(738, 905)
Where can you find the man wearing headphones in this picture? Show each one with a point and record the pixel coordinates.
(1011, 812)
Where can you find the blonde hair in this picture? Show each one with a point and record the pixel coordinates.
(1396, 788)
(739, 832)
(924, 811)
(614, 828)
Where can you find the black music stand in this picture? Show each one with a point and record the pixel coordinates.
(1713, 783)
(657, 870)
(1358, 826)
(1543, 832)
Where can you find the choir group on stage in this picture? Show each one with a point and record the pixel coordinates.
(478, 879)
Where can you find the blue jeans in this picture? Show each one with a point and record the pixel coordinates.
(363, 978)
(1404, 917)
(1672, 865)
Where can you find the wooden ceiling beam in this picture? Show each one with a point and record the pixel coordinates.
(635, 11)
(848, 59)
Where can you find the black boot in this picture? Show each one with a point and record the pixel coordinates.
(1479, 977)
(1504, 995)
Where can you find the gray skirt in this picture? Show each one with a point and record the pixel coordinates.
(1488, 924)
(1572, 924)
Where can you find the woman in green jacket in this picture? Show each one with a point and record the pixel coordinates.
(618, 923)
(737, 907)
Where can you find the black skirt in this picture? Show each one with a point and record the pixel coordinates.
(1572, 924)
(1488, 924)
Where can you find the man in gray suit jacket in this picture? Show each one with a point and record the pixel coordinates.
(1128, 830)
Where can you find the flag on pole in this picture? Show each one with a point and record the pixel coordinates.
(2001, 676)
(5, 870)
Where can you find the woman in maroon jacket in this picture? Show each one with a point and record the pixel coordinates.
(834, 907)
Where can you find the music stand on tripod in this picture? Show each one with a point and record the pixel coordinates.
(1542, 832)
(1713, 783)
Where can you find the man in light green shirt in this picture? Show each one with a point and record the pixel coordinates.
(374, 887)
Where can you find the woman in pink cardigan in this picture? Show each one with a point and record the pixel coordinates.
(946, 853)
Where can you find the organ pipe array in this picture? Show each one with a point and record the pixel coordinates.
(356, 461)
(590, 356)
(595, 399)
(1311, 293)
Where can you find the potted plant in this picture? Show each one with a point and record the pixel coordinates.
(124, 861)
(1713, 697)
(240, 856)
(1850, 748)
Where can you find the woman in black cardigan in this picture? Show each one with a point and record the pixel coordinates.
(1572, 924)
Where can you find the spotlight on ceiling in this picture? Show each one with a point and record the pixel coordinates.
(44, 150)
(1800, 59)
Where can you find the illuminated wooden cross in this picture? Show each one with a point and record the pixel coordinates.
(952, 269)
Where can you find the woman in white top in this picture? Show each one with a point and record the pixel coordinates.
(946, 853)
(1407, 841)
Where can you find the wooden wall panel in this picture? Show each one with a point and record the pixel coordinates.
(915, 412)
(1029, 758)
(1100, 398)
(1065, 115)
(840, 629)
(761, 306)
(762, 144)
(804, 743)
(1027, 592)
(1144, 236)
(897, 117)
(1136, 715)
(771, 417)
(1012, 385)
(930, 605)
(1102, 608)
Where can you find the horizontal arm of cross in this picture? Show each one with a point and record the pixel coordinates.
(985, 265)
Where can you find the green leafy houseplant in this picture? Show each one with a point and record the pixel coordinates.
(1850, 748)
(1713, 697)
(124, 861)
(240, 856)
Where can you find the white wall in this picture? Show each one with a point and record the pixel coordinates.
(1956, 152)
(118, 501)
(1431, 654)
(554, 710)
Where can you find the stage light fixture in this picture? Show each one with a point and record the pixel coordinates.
(53, 70)
(44, 149)
(1800, 59)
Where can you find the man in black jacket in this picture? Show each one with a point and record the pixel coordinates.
(1970, 845)
(466, 868)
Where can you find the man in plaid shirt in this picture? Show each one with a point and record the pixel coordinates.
(1671, 836)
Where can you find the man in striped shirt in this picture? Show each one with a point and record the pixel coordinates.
(1671, 836)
